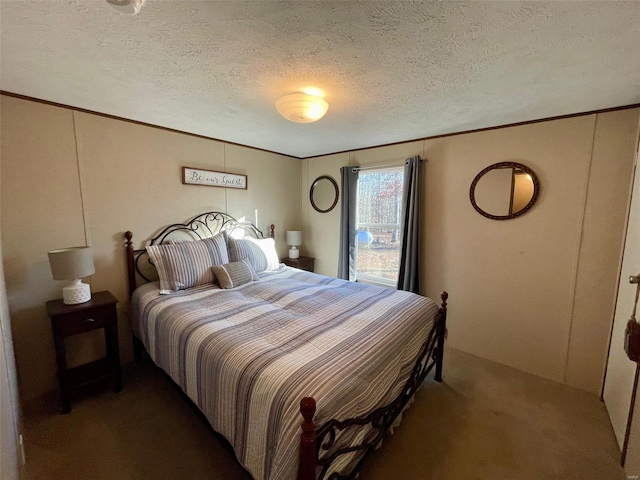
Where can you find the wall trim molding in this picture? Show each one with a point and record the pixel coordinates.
(485, 129)
(136, 122)
(463, 132)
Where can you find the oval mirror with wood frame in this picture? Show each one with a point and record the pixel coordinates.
(504, 190)
(324, 194)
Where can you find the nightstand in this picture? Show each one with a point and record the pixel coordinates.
(67, 320)
(303, 263)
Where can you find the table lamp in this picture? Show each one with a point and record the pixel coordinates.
(73, 264)
(294, 238)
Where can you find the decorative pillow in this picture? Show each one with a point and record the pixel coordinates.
(261, 253)
(176, 241)
(187, 264)
(234, 274)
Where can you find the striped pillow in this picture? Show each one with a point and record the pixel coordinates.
(188, 264)
(261, 253)
(234, 274)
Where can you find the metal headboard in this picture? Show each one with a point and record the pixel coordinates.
(199, 227)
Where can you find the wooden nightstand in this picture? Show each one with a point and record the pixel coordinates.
(303, 263)
(67, 320)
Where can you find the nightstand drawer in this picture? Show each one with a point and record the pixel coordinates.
(302, 263)
(85, 321)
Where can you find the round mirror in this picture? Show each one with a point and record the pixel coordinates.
(504, 190)
(324, 194)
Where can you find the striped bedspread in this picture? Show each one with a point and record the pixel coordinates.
(246, 356)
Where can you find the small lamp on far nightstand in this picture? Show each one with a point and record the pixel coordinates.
(294, 238)
(73, 264)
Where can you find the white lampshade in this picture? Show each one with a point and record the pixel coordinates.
(302, 107)
(73, 264)
(294, 238)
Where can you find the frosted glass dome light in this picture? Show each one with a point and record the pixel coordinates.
(129, 7)
(302, 107)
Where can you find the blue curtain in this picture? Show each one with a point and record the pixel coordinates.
(347, 256)
(409, 274)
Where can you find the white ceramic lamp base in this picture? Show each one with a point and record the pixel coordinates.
(76, 292)
(294, 252)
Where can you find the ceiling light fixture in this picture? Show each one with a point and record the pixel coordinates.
(302, 107)
(130, 7)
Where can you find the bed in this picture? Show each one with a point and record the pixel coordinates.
(252, 358)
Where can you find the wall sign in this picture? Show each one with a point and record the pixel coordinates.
(196, 176)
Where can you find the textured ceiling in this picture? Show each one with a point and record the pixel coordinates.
(391, 70)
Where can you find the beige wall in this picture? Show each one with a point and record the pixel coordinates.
(72, 178)
(605, 216)
(320, 234)
(535, 292)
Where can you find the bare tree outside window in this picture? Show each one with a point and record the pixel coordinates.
(379, 210)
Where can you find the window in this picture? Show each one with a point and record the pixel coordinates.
(379, 211)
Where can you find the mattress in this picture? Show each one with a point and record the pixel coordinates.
(247, 356)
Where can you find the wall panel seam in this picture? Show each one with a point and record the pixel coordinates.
(576, 263)
(304, 209)
(81, 183)
(224, 165)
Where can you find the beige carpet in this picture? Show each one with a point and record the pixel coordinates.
(487, 421)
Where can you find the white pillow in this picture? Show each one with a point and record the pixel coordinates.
(259, 252)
